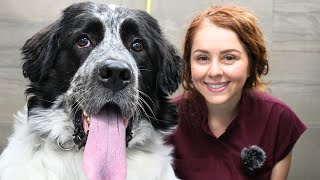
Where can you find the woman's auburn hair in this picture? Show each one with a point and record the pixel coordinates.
(244, 24)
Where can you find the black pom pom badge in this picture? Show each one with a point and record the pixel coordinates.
(253, 159)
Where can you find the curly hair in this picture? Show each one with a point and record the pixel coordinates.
(244, 24)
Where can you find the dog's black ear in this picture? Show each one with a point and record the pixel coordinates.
(39, 53)
(169, 76)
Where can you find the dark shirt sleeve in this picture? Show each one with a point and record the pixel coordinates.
(290, 128)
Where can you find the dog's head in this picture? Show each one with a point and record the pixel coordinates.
(98, 57)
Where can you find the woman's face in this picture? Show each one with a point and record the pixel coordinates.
(219, 64)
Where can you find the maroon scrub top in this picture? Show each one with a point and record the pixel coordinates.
(263, 121)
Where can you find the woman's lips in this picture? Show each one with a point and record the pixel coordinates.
(217, 87)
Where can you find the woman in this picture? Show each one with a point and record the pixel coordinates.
(229, 128)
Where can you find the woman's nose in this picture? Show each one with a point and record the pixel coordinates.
(216, 69)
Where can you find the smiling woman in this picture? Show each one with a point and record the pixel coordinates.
(219, 64)
(228, 127)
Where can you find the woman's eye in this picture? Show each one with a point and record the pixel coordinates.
(137, 46)
(229, 58)
(202, 58)
(83, 42)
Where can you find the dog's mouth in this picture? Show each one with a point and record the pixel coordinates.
(104, 136)
(86, 120)
(110, 112)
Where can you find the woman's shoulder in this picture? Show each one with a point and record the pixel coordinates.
(279, 124)
(262, 105)
(262, 99)
(273, 110)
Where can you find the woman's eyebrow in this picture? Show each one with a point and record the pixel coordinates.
(201, 51)
(222, 52)
(230, 50)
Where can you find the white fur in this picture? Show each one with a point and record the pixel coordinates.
(30, 157)
(113, 6)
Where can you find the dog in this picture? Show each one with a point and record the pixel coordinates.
(98, 106)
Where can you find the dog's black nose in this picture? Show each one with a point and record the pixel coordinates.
(114, 75)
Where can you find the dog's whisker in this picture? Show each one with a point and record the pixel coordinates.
(155, 118)
(144, 69)
(79, 97)
(147, 105)
(145, 95)
(138, 112)
(46, 100)
(141, 107)
(77, 104)
(148, 97)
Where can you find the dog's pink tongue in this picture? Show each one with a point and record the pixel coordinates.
(105, 151)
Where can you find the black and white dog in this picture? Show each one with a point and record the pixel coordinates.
(99, 81)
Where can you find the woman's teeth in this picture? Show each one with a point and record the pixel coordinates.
(217, 86)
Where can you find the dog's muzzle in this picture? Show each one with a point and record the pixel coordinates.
(112, 76)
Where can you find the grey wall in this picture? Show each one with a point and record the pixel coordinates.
(295, 76)
(291, 29)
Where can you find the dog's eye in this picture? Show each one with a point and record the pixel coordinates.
(83, 42)
(137, 46)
